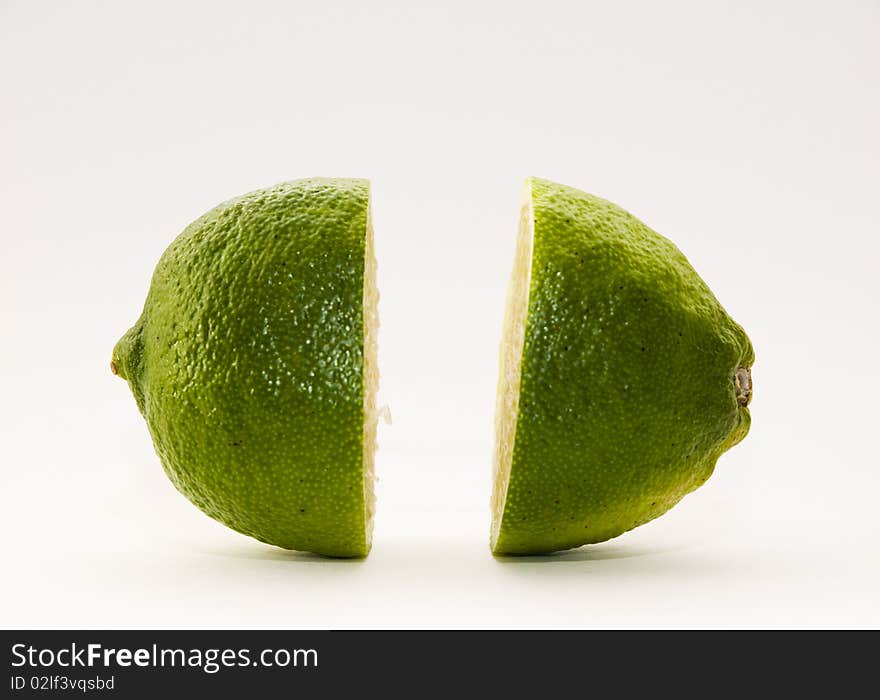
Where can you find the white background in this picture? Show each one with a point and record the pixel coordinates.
(747, 132)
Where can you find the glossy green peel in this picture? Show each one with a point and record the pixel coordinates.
(622, 378)
(253, 363)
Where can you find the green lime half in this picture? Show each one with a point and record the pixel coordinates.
(254, 365)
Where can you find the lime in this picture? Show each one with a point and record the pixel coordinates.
(622, 379)
(254, 365)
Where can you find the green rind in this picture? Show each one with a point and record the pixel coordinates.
(626, 397)
(248, 364)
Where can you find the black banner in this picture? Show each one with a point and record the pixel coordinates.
(266, 663)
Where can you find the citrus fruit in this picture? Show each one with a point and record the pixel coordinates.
(622, 379)
(254, 364)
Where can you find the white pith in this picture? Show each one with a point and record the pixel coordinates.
(510, 363)
(371, 377)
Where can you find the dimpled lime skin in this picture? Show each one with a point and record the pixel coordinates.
(247, 363)
(626, 397)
